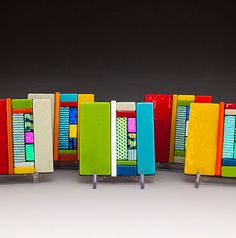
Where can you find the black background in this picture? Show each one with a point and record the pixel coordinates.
(118, 50)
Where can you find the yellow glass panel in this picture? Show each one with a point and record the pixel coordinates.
(72, 131)
(202, 139)
(24, 170)
(186, 97)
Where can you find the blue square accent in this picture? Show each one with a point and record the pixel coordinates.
(73, 115)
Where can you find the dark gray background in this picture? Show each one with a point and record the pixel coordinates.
(118, 50)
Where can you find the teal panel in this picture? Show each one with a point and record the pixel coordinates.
(29, 148)
(228, 143)
(145, 138)
(234, 150)
(67, 97)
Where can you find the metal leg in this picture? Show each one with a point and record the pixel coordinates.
(94, 181)
(197, 180)
(142, 185)
(36, 177)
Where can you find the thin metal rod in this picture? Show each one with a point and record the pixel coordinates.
(197, 180)
(142, 185)
(94, 181)
(36, 177)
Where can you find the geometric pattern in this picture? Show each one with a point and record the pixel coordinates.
(18, 137)
(132, 146)
(64, 128)
(181, 122)
(23, 138)
(121, 138)
(132, 155)
(229, 137)
(68, 120)
(28, 122)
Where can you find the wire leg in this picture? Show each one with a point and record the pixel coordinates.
(142, 185)
(197, 180)
(94, 181)
(36, 177)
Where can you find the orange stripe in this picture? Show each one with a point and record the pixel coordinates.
(17, 111)
(220, 139)
(56, 125)
(67, 157)
(9, 137)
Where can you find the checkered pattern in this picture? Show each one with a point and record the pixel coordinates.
(121, 138)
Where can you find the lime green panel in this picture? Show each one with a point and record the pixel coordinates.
(95, 138)
(184, 103)
(126, 162)
(228, 171)
(22, 103)
(67, 152)
(180, 153)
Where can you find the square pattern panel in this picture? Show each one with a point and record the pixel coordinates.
(229, 146)
(23, 139)
(181, 129)
(126, 144)
(68, 123)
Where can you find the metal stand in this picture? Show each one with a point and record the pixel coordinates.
(197, 180)
(36, 177)
(141, 180)
(114, 179)
(94, 181)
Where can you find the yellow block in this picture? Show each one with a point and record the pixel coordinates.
(73, 131)
(83, 98)
(173, 128)
(202, 139)
(186, 97)
(24, 170)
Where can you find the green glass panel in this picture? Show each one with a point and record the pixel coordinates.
(95, 138)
